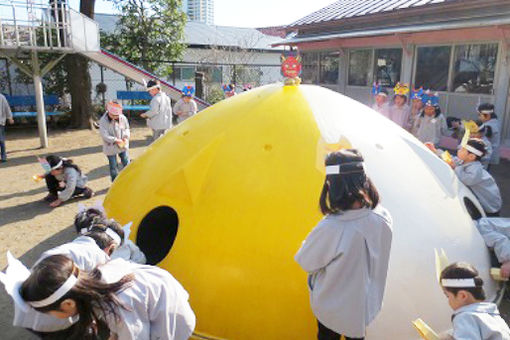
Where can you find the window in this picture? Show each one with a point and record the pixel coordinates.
(388, 63)
(186, 73)
(359, 67)
(310, 64)
(432, 67)
(328, 67)
(212, 74)
(474, 68)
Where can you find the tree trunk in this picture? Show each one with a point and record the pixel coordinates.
(78, 79)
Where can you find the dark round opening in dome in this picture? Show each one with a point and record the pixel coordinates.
(157, 232)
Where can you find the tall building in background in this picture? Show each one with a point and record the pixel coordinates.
(199, 10)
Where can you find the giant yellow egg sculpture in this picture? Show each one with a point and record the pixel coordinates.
(224, 200)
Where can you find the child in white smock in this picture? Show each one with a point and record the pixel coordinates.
(474, 176)
(430, 125)
(133, 301)
(346, 255)
(491, 128)
(472, 317)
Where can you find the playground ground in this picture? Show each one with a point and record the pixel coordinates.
(28, 226)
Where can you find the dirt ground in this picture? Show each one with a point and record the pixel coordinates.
(28, 226)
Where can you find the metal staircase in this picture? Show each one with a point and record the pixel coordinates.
(29, 27)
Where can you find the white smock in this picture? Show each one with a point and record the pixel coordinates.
(347, 258)
(86, 255)
(160, 113)
(496, 234)
(130, 252)
(483, 185)
(156, 304)
(480, 321)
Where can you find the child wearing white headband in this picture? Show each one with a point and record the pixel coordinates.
(492, 129)
(346, 255)
(472, 317)
(130, 301)
(474, 176)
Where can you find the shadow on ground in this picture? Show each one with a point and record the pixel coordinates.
(29, 258)
(16, 161)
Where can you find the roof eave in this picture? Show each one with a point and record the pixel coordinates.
(504, 20)
(391, 16)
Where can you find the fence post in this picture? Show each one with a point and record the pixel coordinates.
(199, 85)
(173, 73)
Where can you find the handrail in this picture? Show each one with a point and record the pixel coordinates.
(35, 25)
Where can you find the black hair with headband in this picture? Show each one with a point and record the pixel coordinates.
(85, 219)
(487, 109)
(54, 160)
(95, 299)
(460, 272)
(346, 183)
(478, 145)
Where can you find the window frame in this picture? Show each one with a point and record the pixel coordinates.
(451, 67)
(370, 62)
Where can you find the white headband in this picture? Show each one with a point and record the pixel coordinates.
(63, 290)
(486, 112)
(335, 169)
(473, 150)
(458, 283)
(116, 238)
(59, 164)
(382, 94)
(154, 87)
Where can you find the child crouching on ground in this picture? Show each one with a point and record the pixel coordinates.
(473, 175)
(472, 317)
(64, 181)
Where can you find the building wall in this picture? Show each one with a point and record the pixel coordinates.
(454, 102)
(199, 10)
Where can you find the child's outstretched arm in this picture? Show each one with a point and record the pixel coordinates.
(494, 236)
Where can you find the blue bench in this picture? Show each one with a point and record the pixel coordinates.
(134, 95)
(30, 102)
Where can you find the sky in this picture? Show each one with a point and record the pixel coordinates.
(246, 13)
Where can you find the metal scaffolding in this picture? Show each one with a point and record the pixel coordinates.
(30, 27)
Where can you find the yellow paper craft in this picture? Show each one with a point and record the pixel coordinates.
(441, 262)
(447, 157)
(424, 330)
(496, 275)
(470, 127)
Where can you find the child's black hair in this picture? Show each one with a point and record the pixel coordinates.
(436, 107)
(95, 300)
(400, 95)
(341, 191)
(86, 218)
(100, 226)
(463, 270)
(479, 145)
(487, 107)
(53, 160)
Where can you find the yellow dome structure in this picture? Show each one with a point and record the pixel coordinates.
(224, 200)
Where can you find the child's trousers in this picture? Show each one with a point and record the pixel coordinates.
(327, 334)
